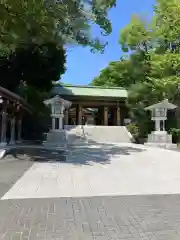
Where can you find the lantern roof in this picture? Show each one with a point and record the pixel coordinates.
(163, 104)
(57, 100)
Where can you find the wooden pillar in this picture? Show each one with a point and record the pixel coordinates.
(18, 138)
(118, 116)
(77, 114)
(4, 123)
(13, 122)
(19, 127)
(114, 116)
(14, 110)
(66, 117)
(101, 116)
(105, 116)
(80, 115)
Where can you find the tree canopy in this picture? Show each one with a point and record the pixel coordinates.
(33, 65)
(137, 35)
(118, 73)
(40, 21)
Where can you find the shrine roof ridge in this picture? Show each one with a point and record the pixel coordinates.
(90, 86)
(88, 90)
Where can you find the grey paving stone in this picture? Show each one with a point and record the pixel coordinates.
(135, 218)
(11, 169)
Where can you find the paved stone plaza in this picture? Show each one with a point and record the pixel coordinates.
(102, 192)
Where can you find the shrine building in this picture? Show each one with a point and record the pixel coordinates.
(94, 105)
(12, 109)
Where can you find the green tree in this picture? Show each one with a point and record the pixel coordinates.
(165, 83)
(36, 123)
(143, 95)
(167, 14)
(44, 21)
(116, 74)
(137, 35)
(30, 71)
(122, 73)
(138, 39)
(33, 65)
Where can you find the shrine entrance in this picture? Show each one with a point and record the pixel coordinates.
(94, 105)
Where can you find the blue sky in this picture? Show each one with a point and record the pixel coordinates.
(82, 65)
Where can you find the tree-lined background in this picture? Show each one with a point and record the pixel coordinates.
(150, 67)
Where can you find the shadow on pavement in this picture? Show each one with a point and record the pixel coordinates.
(37, 154)
(84, 154)
(99, 153)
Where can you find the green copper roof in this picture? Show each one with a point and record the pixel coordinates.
(110, 92)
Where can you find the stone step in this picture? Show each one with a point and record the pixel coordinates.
(99, 134)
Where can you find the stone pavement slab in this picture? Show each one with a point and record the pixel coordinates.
(11, 169)
(93, 218)
(102, 171)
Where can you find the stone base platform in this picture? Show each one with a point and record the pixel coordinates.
(56, 139)
(161, 145)
(160, 139)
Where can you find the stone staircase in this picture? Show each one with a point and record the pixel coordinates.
(97, 134)
(75, 135)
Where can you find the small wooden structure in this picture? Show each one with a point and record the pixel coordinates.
(12, 107)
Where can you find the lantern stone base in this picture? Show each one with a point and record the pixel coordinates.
(162, 145)
(56, 139)
(160, 139)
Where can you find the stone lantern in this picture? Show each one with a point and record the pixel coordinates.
(56, 137)
(160, 137)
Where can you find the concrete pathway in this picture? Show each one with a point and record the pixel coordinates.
(104, 170)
